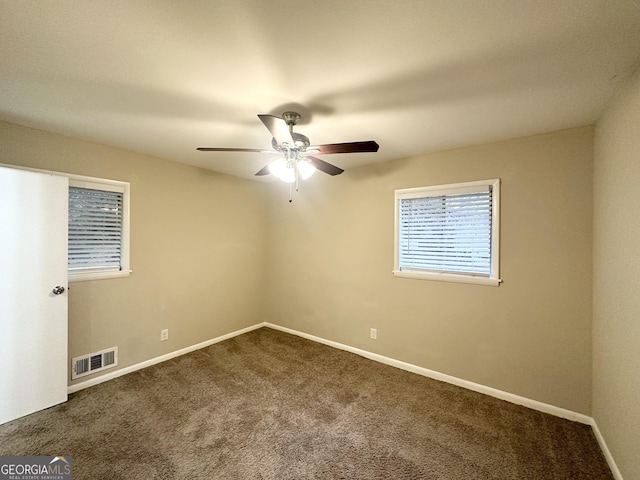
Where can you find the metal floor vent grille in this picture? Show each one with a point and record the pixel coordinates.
(94, 362)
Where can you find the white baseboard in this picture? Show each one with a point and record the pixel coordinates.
(476, 387)
(605, 450)
(162, 358)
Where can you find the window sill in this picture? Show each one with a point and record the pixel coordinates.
(83, 277)
(448, 277)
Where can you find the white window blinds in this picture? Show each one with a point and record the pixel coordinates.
(95, 229)
(447, 233)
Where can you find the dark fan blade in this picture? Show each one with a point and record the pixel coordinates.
(349, 147)
(324, 166)
(278, 128)
(212, 149)
(263, 171)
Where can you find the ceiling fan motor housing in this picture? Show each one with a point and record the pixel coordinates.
(301, 142)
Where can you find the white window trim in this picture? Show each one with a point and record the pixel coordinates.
(100, 184)
(494, 279)
(111, 186)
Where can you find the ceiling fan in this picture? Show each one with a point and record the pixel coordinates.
(297, 160)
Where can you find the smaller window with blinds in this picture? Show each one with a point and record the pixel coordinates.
(449, 232)
(98, 230)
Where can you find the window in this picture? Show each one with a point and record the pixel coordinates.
(98, 229)
(448, 232)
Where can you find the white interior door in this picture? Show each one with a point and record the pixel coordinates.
(33, 319)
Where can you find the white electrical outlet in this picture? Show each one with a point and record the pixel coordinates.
(374, 334)
(164, 334)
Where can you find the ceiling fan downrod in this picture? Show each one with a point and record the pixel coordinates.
(291, 119)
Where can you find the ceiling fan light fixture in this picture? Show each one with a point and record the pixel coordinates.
(305, 168)
(277, 167)
(288, 175)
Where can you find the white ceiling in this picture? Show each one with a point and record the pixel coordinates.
(164, 77)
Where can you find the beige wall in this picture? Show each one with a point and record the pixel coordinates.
(197, 249)
(616, 325)
(331, 257)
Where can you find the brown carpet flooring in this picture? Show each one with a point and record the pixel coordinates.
(268, 405)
